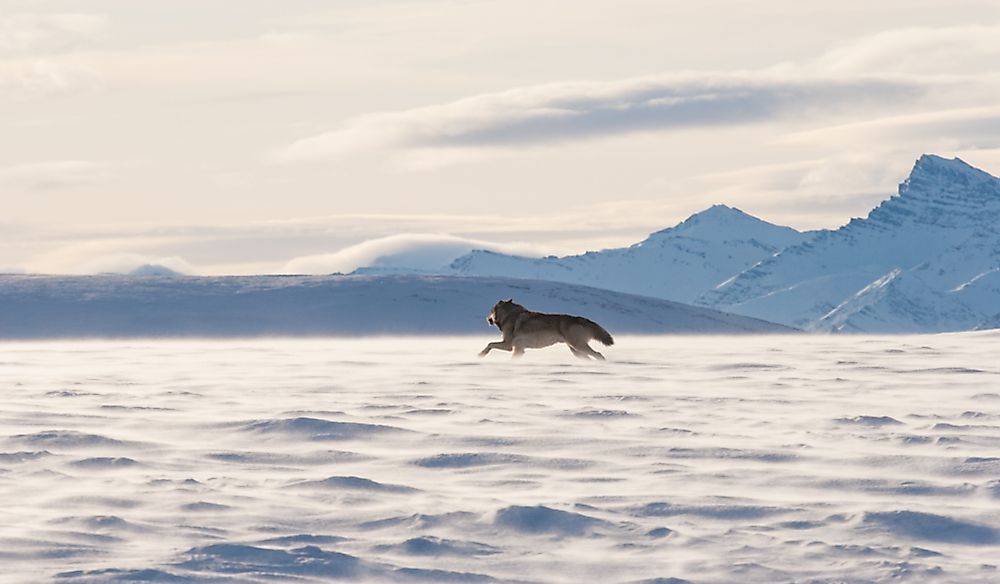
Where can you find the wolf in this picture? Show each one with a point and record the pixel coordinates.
(523, 329)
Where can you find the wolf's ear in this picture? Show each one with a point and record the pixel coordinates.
(509, 300)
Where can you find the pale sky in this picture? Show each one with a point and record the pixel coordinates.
(261, 136)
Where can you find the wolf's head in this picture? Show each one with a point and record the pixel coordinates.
(501, 310)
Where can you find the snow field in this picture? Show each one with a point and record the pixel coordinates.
(701, 459)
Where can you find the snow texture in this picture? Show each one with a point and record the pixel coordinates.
(133, 306)
(790, 458)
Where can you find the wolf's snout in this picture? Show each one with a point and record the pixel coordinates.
(489, 319)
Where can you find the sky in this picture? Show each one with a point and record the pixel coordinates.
(313, 136)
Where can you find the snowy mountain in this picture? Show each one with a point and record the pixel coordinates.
(129, 306)
(926, 260)
(680, 263)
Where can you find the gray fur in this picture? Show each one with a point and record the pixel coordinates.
(523, 329)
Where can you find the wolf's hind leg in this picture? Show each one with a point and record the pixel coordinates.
(578, 339)
(592, 353)
(518, 352)
(580, 354)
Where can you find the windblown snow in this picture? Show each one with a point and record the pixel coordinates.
(786, 458)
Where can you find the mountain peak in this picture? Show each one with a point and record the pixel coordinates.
(725, 222)
(932, 171)
(928, 159)
(720, 211)
(935, 162)
(942, 192)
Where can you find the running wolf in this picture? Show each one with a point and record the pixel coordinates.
(523, 329)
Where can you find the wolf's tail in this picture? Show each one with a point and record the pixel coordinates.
(600, 335)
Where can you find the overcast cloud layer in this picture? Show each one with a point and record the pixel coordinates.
(307, 136)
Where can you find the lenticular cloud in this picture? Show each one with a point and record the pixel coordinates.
(409, 251)
(568, 111)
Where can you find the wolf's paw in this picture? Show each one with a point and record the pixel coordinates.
(484, 352)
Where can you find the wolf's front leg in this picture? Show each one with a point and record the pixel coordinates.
(502, 345)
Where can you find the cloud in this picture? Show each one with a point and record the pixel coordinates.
(34, 34)
(32, 47)
(807, 193)
(419, 251)
(948, 129)
(23, 81)
(894, 71)
(53, 175)
(891, 145)
(559, 112)
(265, 247)
(934, 51)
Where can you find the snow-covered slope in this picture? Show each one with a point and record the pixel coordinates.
(126, 306)
(679, 263)
(925, 260)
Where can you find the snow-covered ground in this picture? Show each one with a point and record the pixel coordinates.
(702, 459)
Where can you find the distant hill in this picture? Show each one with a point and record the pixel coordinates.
(35, 307)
